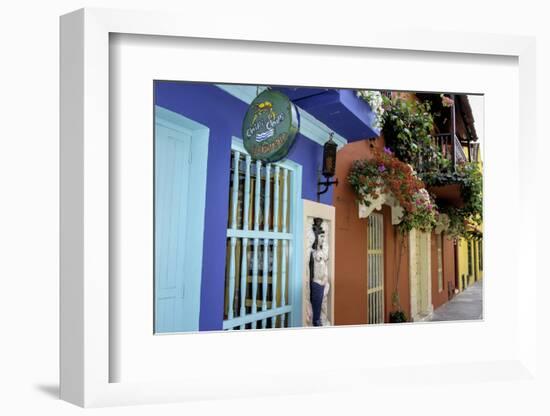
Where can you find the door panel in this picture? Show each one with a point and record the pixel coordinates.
(422, 272)
(172, 169)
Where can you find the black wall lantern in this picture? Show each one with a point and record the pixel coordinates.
(329, 166)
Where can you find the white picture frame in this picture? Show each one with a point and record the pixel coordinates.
(87, 226)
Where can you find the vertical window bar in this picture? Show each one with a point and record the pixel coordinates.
(377, 230)
(376, 274)
(266, 240)
(371, 267)
(379, 271)
(382, 266)
(231, 295)
(375, 218)
(284, 250)
(382, 274)
(371, 308)
(256, 240)
(377, 318)
(381, 295)
(275, 243)
(381, 307)
(379, 283)
(244, 250)
(376, 307)
(376, 270)
(439, 262)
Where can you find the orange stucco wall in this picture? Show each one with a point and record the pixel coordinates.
(351, 246)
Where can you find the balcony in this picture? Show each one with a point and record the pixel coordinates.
(440, 159)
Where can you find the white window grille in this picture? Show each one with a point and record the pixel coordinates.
(260, 236)
(375, 266)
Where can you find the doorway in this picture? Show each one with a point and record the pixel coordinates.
(181, 149)
(420, 279)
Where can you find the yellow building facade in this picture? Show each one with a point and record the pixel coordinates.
(470, 262)
(470, 254)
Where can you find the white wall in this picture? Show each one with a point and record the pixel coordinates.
(29, 197)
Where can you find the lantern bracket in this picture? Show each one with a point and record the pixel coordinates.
(329, 166)
(327, 183)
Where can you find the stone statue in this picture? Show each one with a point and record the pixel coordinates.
(319, 286)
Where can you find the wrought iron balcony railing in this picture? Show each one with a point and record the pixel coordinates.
(448, 147)
(444, 143)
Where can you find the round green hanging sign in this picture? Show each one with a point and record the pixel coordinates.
(270, 126)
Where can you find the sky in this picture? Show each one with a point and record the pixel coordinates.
(477, 102)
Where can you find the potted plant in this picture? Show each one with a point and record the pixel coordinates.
(397, 316)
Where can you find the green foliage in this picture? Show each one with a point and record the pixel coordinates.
(463, 219)
(423, 219)
(407, 128)
(397, 317)
(385, 173)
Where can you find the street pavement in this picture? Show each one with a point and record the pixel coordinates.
(466, 305)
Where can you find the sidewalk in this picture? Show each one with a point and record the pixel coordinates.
(466, 305)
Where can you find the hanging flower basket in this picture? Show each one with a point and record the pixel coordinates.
(384, 179)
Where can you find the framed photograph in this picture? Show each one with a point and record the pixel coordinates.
(248, 215)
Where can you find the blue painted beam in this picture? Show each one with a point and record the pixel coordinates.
(298, 93)
(339, 109)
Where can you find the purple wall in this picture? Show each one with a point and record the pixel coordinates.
(339, 109)
(223, 115)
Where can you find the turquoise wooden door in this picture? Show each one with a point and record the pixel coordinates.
(176, 308)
